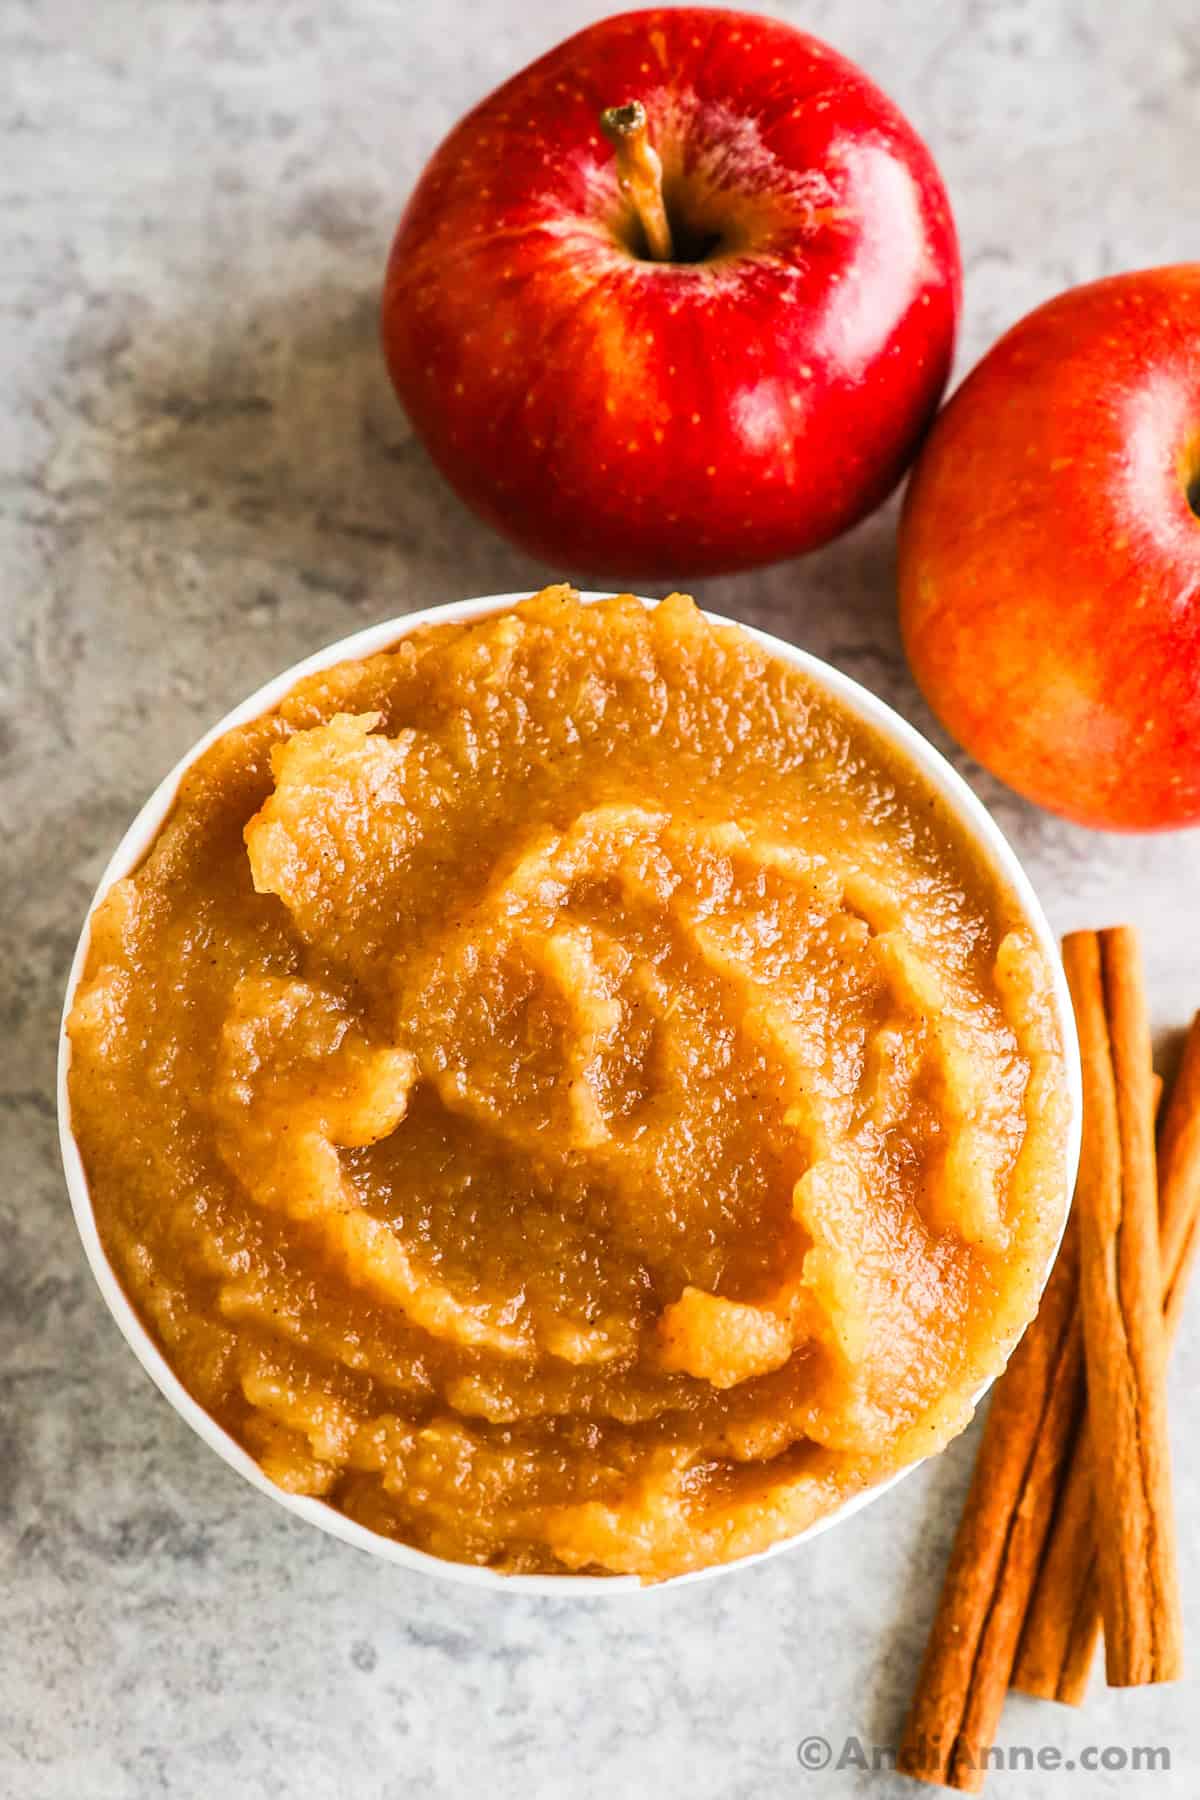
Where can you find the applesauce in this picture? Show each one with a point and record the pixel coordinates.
(569, 1095)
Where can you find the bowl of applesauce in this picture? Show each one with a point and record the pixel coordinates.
(568, 1093)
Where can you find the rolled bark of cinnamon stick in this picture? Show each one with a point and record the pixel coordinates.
(1033, 1440)
(1121, 1293)
(1058, 1644)
(968, 1660)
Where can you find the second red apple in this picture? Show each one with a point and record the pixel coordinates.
(1050, 554)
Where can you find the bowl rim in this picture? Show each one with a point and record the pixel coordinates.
(964, 804)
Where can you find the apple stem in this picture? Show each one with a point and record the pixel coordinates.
(639, 174)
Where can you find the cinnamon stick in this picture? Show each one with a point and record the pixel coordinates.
(1062, 1629)
(1121, 1294)
(1035, 1406)
(1179, 1182)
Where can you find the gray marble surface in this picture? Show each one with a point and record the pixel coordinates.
(202, 477)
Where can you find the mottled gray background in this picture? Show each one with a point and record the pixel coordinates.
(203, 477)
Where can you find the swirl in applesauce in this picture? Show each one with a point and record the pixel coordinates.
(568, 1094)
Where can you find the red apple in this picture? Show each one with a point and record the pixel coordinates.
(1050, 555)
(745, 398)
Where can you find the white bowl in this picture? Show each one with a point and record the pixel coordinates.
(967, 808)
